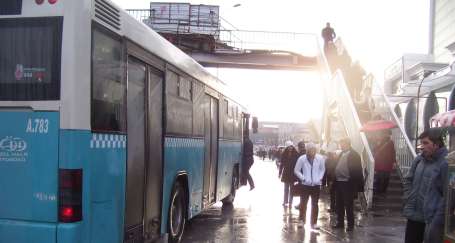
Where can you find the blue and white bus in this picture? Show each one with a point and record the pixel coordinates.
(108, 133)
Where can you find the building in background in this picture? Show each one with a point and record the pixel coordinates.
(424, 83)
(442, 31)
(277, 133)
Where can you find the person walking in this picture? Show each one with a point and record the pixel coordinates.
(247, 162)
(423, 190)
(348, 182)
(328, 34)
(384, 159)
(330, 165)
(302, 151)
(301, 148)
(286, 172)
(310, 169)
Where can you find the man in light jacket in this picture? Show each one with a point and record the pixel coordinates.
(310, 169)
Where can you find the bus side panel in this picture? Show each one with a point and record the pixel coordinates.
(25, 232)
(183, 155)
(229, 155)
(28, 176)
(28, 166)
(102, 158)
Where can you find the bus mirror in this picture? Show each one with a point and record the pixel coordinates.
(255, 125)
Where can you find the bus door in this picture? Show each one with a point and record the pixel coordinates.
(144, 153)
(211, 149)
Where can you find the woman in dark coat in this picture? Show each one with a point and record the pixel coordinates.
(286, 172)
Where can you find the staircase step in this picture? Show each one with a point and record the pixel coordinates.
(390, 199)
(394, 189)
(395, 179)
(387, 197)
(394, 184)
(390, 206)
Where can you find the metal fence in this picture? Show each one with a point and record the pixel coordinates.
(228, 35)
(302, 43)
(405, 151)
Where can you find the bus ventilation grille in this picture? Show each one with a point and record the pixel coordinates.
(107, 13)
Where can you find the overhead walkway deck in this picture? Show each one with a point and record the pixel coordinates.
(256, 59)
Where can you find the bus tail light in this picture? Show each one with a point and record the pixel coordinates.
(39, 2)
(52, 1)
(70, 195)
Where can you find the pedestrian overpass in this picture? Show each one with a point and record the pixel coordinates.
(233, 48)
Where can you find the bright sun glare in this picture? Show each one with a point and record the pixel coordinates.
(272, 95)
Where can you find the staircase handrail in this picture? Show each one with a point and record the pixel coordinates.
(398, 136)
(358, 139)
(404, 148)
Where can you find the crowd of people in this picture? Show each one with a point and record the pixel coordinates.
(304, 170)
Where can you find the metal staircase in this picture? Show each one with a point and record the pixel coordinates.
(340, 107)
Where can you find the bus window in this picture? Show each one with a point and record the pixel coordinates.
(30, 58)
(108, 87)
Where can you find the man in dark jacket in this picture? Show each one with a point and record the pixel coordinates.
(330, 165)
(328, 34)
(423, 190)
(247, 161)
(286, 172)
(302, 151)
(301, 148)
(349, 181)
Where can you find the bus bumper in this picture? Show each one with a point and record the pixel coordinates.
(69, 233)
(24, 231)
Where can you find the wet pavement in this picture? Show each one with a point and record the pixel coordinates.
(258, 216)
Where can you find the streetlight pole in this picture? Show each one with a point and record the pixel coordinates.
(425, 75)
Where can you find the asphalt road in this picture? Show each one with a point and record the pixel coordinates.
(258, 216)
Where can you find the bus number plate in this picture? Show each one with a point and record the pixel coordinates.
(37, 125)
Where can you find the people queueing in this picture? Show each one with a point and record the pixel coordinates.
(286, 172)
(328, 34)
(365, 105)
(384, 160)
(302, 151)
(310, 169)
(247, 161)
(348, 182)
(424, 190)
(354, 76)
(330, 165)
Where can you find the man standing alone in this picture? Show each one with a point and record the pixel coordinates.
(309, 170)
(348, 181)
(423, 190)
(328, 34)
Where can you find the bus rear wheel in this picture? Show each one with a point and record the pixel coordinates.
(177, 213)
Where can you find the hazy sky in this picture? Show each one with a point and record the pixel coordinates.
(375, 32)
